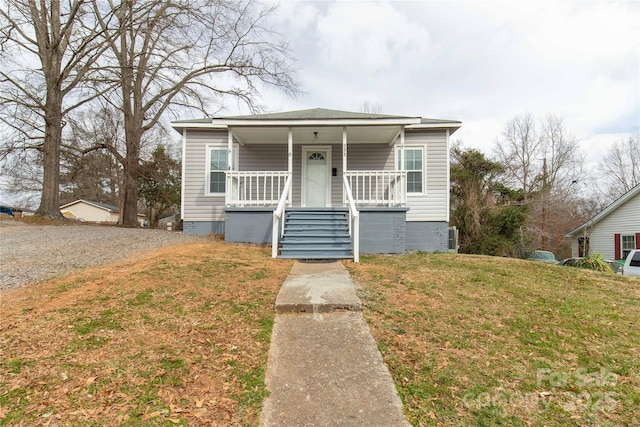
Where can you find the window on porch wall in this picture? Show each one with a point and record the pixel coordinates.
(217, 179)
(414, 166)
(216, 169)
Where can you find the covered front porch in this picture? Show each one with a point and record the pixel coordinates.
(345, 168)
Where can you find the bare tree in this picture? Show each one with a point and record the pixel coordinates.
(539, 156)
(91, 155)
(186, 53)
(371, 107)
(543, 161)
(519, 151)
(619, 169)
(48, 49)
(561, 154)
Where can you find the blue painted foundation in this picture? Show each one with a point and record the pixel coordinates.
(382, 230)
(202, 228)
(428, 236)
(248, 225)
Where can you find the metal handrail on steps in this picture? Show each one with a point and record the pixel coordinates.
(354, 220)
(277, 215)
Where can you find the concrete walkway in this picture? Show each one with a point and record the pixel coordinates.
(324, 366)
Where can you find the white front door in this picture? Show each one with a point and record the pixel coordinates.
(316, 182)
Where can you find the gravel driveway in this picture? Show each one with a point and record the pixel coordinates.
(30, 253)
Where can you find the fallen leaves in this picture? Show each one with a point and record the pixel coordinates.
(164, 338)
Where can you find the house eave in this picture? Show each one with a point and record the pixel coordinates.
(453, 126)
(315, 122)
(606, 211)
(90, 203)
(225, 124)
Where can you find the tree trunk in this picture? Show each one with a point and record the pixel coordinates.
(129, 197)
(129, 194)
(50, 200)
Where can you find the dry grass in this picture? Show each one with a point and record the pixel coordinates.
(481, 341)
(178, 337)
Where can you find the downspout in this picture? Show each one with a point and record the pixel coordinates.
(344, 161)
(184, 169)
(290, 162)
(403, 180)
(228, 186)
(448, 179)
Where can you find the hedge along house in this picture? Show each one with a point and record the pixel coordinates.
(319, 183)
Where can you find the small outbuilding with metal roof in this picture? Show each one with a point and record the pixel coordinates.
(90, 211)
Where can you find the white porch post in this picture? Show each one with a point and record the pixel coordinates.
(344, 149)
(344, 159)
(402, 148)
(229, 185)
(290, 160)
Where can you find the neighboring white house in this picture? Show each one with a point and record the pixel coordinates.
(613, 232)
(298, 179)
(90, 211)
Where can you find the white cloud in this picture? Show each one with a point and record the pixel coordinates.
(370, 37)
(480, 62)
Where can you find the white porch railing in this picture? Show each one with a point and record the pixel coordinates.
(377, 188)
(254, 188)
(279, 214)
(354, 220)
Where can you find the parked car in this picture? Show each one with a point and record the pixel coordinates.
(543, 256)
(632, 264)
(616, 266)
(7, 210)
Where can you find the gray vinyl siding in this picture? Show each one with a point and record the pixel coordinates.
(267, 157)
(624, 220)
(430, 206)
(433, 204)
(197, 205)
(369, 157)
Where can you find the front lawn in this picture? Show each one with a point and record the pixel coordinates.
(178, 337)
(482, 341)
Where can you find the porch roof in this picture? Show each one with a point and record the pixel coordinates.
(317, 125)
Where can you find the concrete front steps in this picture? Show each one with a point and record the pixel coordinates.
(316, 233)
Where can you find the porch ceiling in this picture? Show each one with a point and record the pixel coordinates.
(325, 134)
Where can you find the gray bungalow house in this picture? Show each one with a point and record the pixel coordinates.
(318, 183)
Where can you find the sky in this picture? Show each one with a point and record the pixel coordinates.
(480, 62)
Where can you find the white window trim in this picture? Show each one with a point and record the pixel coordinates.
(424, 166)
(207, 165)
(622, 248)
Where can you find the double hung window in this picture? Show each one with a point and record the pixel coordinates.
(414, 166)
(217, 165)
